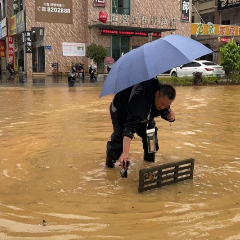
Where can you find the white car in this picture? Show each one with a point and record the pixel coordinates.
(207, 68)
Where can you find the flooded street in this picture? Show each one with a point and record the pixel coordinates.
(52, 166)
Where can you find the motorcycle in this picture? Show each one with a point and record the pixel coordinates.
(72, 76)
(93, 73)
(10, 68)
(80, 70)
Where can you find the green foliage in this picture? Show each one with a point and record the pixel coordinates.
(186, 81)
(230, 57)
(97, 53)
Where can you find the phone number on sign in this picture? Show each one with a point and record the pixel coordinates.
(58, 10)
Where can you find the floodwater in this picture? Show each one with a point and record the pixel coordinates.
(52, 167)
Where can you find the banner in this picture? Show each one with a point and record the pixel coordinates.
(2, 48)
(214, 29)
(185, 11)
(54, 11)
(13, 25)
(73, 49)
(10, 49)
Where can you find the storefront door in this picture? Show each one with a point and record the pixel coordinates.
(120, 46)
(41, 59)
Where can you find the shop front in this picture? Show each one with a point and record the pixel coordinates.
(215, 36)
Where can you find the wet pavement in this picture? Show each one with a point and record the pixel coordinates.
(52, 166)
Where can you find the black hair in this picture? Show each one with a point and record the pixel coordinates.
(167, 90)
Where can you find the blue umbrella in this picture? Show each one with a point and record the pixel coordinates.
(151, 59)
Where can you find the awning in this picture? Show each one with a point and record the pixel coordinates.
(130, 28)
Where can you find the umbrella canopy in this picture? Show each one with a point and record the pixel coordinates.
(109, 60)
(150, 60)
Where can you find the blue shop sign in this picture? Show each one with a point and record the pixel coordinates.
(48, 47)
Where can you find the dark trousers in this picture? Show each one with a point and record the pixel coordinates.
(115, 145)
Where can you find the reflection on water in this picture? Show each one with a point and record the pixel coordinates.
(52, 167)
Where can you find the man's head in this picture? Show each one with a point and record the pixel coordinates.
(164, 97)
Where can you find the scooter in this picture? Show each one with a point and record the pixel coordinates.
(10, 68)
(93, 73)
(80, 70)
(72, 76)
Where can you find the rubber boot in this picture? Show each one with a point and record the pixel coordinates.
(110, 162)
(149, 157)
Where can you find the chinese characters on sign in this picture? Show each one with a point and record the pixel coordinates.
(226, 4)
(99, 3)
(185, 13)
(144, 21)
(73, 49)
(53, 11)
(10, 49)
(28, 41)
(214, 29)
(127, 33)
(2, 48)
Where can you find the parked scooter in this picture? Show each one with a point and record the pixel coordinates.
(80, 71)
(10, 68)
(93, 72)
(72, 76)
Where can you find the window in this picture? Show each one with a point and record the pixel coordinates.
(120, 46)
(4, 9)
(192, 64)
(226, 22)
(121, 6)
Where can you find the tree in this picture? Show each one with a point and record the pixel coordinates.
(97, 53)
(230, 57)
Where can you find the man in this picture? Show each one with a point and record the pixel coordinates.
(132, 110)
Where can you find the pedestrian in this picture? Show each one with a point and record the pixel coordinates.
(133, 111)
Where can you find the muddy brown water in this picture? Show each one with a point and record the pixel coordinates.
(52, 153)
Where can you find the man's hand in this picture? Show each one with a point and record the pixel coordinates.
(124, 160)
(170, 116)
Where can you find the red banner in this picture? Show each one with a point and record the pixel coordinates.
(2, 48)
(10, 49)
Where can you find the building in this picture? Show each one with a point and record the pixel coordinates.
(216, 22)
(38, 33)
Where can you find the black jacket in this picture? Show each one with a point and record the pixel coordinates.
(131, 106)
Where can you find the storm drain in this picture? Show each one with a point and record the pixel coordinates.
(165, 174)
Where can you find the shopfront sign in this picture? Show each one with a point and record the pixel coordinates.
(126, 33)
(103, 17)
(226, 4)
(2, 48)
(15, 46)
(48, 47)
(28, 41)
(142, 21)
(4, 27)
(10, 49)
(73, 49)
(54, 11)
(99, 3)
(225, 39)
(13, 25)
(20, 19)
(214, 29)
(185, 11)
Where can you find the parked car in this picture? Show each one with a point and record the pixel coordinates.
(207, 68)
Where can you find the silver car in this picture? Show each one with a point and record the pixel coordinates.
(207, 68)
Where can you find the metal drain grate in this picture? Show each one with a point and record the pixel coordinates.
(165, 174)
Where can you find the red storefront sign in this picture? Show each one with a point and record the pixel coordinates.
(126, 33)
(103, 17)
(2, 48)
(225, 39)
(10, 49)
(99, 3)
